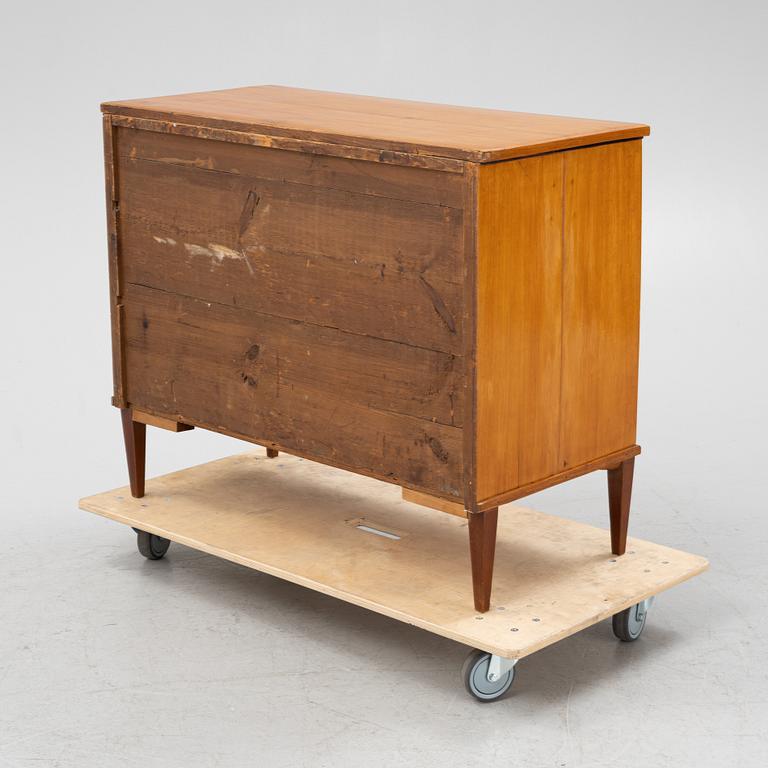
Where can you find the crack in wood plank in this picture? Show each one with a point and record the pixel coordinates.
(439, 304)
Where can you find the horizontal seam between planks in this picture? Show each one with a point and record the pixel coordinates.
(290, 319)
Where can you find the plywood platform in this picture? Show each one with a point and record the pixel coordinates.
(301, 521)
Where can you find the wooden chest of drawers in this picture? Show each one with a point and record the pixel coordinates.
(443, 298)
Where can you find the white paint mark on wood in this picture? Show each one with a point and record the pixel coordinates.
(198, 250)
(221, 252)
(217, 253)
(164, 240)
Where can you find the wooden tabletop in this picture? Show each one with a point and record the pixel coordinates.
(464, 133)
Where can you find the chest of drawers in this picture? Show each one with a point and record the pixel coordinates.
(442, 298)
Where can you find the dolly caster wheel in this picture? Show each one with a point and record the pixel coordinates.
(477, 675)
(629, 624)
(153, 547)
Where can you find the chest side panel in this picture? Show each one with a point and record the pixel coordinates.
(601, 301)
(519, 321)
(314, 302)
(558, 313)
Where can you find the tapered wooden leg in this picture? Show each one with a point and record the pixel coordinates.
(273, 453)
(482, 547)
(619, 497)
(135, 435)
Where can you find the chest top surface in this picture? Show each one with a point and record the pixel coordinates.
(464, 133)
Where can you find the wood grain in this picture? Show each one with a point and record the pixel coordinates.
(153, 420)
(602, 462)
(135, 439)
(415, 128)
(303, 146)
(619, 500)
(482, 550)
(601, 301)
(290, 518)
(558, 315)
(434, 502)
(371, 263)
(354, 176)
(519, 322)
(111, 184)
(469, 324)
(388, 409)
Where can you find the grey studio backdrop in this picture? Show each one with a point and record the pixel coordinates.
(108, 660)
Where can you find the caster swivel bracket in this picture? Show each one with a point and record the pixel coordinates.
(644, 606)
(498, 666)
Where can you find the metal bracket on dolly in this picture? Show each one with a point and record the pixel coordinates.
(498, 666)
(643, 607)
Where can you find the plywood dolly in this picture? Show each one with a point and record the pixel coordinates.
(354, 539)
(486, 676)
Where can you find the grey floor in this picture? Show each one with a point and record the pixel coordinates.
(110, 660)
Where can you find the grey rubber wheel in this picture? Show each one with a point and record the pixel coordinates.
(629, 624)
(151, 546)
(474, 674)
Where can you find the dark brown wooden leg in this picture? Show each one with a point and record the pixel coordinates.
(273, 453)
(619, 497)
(135, 435)
(482, 547)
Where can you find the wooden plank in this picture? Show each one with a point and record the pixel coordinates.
(153, 420)
(271, 353)
(357, 176)
(518, 322)
(384, 408)
(312, 148)
(299, 521)
(110, 178)
(364, 263)
(601, 301)
(469, 324)
(479, 135)
(434, 502)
